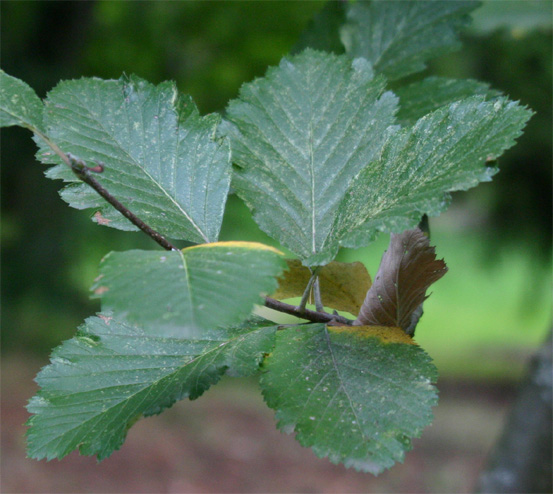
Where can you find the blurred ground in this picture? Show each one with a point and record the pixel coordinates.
(226, 442)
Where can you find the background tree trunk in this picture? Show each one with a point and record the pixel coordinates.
(522, 458)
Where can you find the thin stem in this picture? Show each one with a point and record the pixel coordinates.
(84, 173)
(317, 296)
(307, 292)
(310, 315)
(53, 146)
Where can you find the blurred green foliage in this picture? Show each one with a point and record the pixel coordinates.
(50, 252)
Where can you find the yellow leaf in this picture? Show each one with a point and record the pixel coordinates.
(343, 284)
(384, 333)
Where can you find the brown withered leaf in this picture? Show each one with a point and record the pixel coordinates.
(343, 284)
(407, 269)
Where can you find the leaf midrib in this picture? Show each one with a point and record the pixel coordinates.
(23, 123)
(193, 361)
(138, 165)
(188, 287)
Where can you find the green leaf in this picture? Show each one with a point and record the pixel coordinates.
(354, 395)
(161, 158)
(444, 151)
(112, 373)
(343, 285)
(323, 32)
(399, 37)
(519, 18)
(196, 289)
(19, 104)
(299, 136)
(420, 98)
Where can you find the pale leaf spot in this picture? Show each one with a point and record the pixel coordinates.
(100, 219)
(106, 319)
(101, 290)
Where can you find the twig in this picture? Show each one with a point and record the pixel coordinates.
(313, 282)
(317, 296)
(307, 292)
(83, 172)
(310, 315)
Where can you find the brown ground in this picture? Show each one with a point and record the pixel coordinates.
(226, 442)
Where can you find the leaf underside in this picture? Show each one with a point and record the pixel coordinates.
(192, 290)
(407, 269)
(112, 373)
(354, 395)
(161, 158)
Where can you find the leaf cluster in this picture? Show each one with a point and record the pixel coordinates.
(326, 156)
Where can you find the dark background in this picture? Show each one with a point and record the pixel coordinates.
(498, 236)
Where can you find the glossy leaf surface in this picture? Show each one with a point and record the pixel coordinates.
(354, 395)
(196, 289)
(444, 151)
(160, 157)
(113, 373)
(299, 136)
